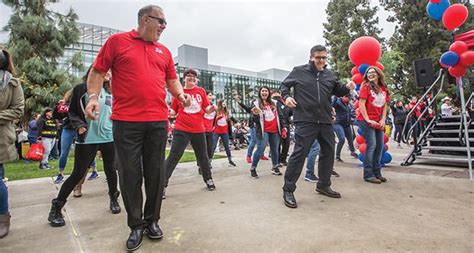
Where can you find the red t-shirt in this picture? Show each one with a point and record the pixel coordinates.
(209, 122)
(221, 125)
(140, 72)
(374, 102)
(190, 119)
(270, 120)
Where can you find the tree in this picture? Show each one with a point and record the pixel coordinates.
(37, 40)
(348, 20)
(417, 36)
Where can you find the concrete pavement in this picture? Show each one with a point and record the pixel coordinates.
(420, 209)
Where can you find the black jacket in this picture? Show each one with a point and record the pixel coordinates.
(77, 117)
(286, 111)
(343, 112)
(399, 115)
(247, 109)
(312, 91)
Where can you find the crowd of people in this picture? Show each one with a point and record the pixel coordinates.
(310, 109)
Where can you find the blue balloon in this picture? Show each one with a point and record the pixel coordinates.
(361, 157)
(360, 132)
(363, 68)
(435, 11)
(386, 158)
(449, 58)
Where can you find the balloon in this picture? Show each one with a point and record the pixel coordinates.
(457, 71)
(435, 1)
(356, 103)
(361, 157)
(363, 68)
(436, 10)
(444, 65)
(354, 70)
(362, 148)
(467, 58)
(386, 158)
(357, 78)
(458, 47)
(380, 66)
(449, 58)
(360, 132)
(385, 148)
(455, 16)
(364, 49)
(385, 138)
(360, 139)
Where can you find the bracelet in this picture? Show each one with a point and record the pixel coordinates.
(93, 95)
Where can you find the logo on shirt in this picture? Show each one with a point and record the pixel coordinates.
(195, 106)
(222, 122)
(268, 114)
(210, 115)
(158, 51)
(379, 99)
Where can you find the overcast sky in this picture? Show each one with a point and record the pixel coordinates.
(253, 35)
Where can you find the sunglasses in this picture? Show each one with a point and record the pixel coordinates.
(160, 20)
(320, 57)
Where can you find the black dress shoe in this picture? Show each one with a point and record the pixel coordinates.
(135, 239)
(289, 199)
(328, 192)
(153, 231)
(334, 173)
(382, 179)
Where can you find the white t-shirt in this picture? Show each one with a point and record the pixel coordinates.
(446, 110)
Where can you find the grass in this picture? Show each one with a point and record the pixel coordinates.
(18, 170)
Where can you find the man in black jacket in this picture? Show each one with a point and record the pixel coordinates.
(313, 85)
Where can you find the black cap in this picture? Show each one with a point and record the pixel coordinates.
(3, 60)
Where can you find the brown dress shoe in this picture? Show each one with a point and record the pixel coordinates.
(382, 179)
(4, 224)
(373, 180)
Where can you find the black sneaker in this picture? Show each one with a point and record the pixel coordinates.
(210, 185)
(276, 171)
(311, 178)
(339, 159)
(334, 173)
(232, 163)
(254, 174)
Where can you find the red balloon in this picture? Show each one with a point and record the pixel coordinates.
(380, 66)
(363, 148)
(357, 78)
(355, 70)
(360, 139)
(386, 147)
(458, 47)
(435, 1)
(457, 71)
(365, 49)
(356, 104)
(385, 138)
(455, 16)
(467, 58)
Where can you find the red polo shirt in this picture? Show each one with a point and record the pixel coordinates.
(140, 71)
(190, 119)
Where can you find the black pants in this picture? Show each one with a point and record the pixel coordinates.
(398, 132)
(305, 134)
(283, 149)
(84, 154)
(140, 150)
(181, 140)
(209, 144)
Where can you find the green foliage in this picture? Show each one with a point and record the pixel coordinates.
(37, 40)
(417, 36)
(348, 20)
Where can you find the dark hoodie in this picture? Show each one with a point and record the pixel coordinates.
(47, 128)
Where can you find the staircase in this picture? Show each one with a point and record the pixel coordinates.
(443, 141)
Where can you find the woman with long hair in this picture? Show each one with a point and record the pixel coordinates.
(373, 103)
(92, 135)
(270, 126)
(221, 129)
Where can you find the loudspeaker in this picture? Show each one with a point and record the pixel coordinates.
(424, 74)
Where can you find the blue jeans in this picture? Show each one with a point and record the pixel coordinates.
(313, 153)
(67, 137)
(253, 141)
(274, 140)
(225, 141)
(3, 193)
(373, 153)
(343, 132)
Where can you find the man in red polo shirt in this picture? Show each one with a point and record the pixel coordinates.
(142, 69)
